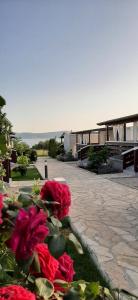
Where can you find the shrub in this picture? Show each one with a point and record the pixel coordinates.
(21, 147)
(96, 159)
(23, 162)
(52, 148)
(33, 155)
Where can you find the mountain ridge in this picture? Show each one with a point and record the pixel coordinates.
(43, 135)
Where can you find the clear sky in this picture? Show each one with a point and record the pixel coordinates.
(68, 64)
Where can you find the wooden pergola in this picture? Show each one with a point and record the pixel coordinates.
(119, 121)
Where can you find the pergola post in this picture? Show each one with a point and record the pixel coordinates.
(136, 160)
(107, 133)
(124, 132)
(89, 138)
(135, 127)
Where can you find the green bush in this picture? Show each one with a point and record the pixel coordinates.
(53, 148)
(23, 162)
(21, 147)
(96, 159)
(33, 155)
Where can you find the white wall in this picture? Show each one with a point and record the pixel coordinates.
(70, 142)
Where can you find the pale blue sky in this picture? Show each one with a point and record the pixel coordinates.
(68, 64)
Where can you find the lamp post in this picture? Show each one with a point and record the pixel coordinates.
(46, 169)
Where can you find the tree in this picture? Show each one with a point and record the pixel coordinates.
(52, 148)
(2, 102)
(20, 146)
(5, 128)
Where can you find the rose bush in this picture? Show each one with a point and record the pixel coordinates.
(48, 264)
(33, 249)
(15, 292)
(30, 229)
(65, 270)
(57, 192)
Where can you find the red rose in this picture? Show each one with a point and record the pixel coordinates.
(48, 263)
(65, 270)
(15, 292)
(1, 206)
(30, 229)
(58, 192)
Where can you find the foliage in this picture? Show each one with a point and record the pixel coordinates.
(5, 129)
(3, 147)
(21, 147)
(97, 158)
(2, 170)
(23, 162)
(53, 148)
(66, 156)
(33, 155)
(41, 145)
(2, 101)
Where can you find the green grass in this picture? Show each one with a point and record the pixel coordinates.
(84, 265)
(42, 152)
(30, 175)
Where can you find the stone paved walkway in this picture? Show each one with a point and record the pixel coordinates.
(106, 215)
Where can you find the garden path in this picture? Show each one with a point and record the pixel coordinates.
(105, 213)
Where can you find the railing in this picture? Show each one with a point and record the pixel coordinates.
(118, 147)
(130, 157)
(83, 152)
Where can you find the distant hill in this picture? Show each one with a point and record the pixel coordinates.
(32, 138)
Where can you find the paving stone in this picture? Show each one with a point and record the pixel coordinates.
(134, 276)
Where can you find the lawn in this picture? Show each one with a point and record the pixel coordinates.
(31, 174)
(84, 265)
(42, 152)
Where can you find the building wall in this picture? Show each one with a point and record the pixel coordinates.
(70, 142)
(131, 132)
(103, 136)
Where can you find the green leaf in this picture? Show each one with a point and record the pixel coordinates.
(53, 230)
(25, 199)
(36, 263)
(12, 213)
(40, 203)
(45, 288)
(95, 289)
(62, 283)
(72, 295)
(25, 264)
(56, 245)
(56, 222)
(26, 189)
(82, 287)
(76, 243)
(108, 294)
